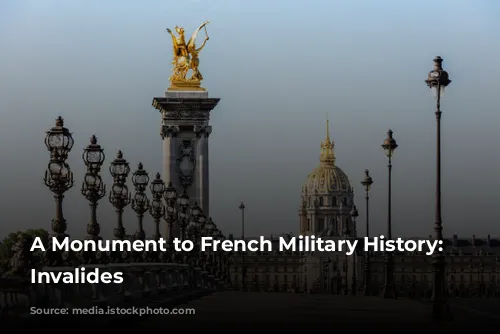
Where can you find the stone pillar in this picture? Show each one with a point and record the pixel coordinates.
(169, 144)
(303, 221)
(185, 115)
(202, 172)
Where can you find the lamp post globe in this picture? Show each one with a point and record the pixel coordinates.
(209, 226)
(202, 221)
(183, 200)
(389, 144)
(170, 192)
(438, 79)
(59, 140)
(119, 168)
(140, 178)
(195, 212)
(157, 187)
(93, 156)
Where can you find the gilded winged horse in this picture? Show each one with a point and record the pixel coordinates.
(186, 54)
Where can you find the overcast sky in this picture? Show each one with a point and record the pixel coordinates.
(280, 67)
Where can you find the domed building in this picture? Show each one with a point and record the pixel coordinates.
(327, 197)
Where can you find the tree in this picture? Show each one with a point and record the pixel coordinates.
(8, 242)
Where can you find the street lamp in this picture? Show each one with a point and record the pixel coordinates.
(183, 203)
(345, 232)
(354, 215)
(367, 182)
(157, 209)
(208, 232)
(140, 202)
(209, 227)
(220, 259)
(213, 255)
(243, 267)
(93, 188)
(202, 219)
(170, 195)
(59, 141)
(437, 81)
(59, 179)
(389, 147)
(119, 195)
(93, 156)
(193, 228)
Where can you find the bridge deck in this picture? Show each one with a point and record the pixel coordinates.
(275, 310)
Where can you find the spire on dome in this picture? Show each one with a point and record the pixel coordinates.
(327, 153)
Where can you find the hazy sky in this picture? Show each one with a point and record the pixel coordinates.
(279, 68)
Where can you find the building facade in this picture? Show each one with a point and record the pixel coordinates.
(472, 264)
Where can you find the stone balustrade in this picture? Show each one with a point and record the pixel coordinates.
(144, 284)
(157, 279)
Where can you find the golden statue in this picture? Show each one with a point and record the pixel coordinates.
(186, 57)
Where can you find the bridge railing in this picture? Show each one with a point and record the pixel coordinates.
(143, 284)
(149, 277)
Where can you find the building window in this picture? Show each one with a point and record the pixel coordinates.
(334, 201)
(308, 224)
(321, 201)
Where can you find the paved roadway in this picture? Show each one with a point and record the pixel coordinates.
(482, 306)
(240, 310)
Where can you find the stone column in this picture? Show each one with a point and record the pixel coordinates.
(185, 157)
(169, 143)
(202, 172)
(169, 146)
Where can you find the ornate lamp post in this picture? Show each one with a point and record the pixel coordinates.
(59, 179)
(209, 227)
(119, 195)
(183, 213)
(157, 209)
(243, 267)
(201, 222)
(345, 232)
(208, 231)
(438, 80)
(170, 195)
(193, 224)
(354, 215)
(140, 202)
(193, 232)
(93, 188)
(389, 147)
(220, 261)
(367, 182)
(213, 255)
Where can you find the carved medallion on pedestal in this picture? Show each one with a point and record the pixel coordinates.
(186, 163)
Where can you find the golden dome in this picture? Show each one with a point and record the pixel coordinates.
(327, 177)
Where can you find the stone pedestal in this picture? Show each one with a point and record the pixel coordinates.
(185, 131)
